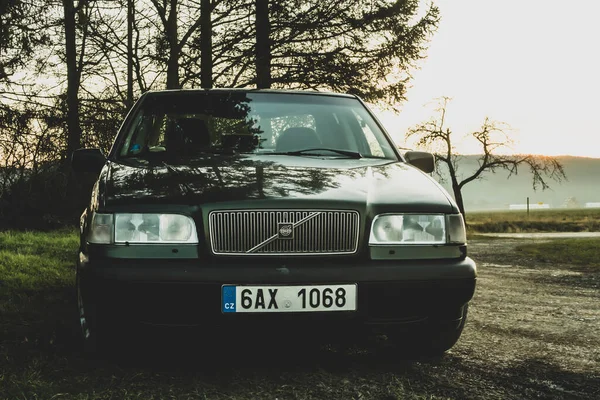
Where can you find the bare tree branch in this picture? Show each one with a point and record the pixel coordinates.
(492, 136)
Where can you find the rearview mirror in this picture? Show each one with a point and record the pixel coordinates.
(88, 160)
(420, 159)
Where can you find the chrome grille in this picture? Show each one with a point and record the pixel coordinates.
(257, 232)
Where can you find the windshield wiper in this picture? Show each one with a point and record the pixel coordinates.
(183, 186)
(217, 151)
(307, 152)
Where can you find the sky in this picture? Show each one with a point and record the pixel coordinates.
(533, 64)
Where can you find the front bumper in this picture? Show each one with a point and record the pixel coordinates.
(187, 292)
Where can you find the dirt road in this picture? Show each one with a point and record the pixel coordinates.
(534, 329)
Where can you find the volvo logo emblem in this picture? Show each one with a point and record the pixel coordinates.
(285, 230)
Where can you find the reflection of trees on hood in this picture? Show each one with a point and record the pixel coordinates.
(235, 178)
(255, 180)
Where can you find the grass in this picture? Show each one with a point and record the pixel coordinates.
(33, 262)
(581, 253)
(552, 220)
(37, 278)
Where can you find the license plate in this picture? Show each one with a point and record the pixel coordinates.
(304, 298)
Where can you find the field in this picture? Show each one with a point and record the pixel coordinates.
(533, 332)
(550, 220)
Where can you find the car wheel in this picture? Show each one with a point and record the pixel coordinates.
(94, 332)
(87, 332)
(433, 341)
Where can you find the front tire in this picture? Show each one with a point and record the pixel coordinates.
(96, 333)
(87, 333)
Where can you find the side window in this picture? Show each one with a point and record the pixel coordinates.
(127, 145)
(148, 132)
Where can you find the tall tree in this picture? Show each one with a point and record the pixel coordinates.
(171, 34)
(74, 63)
(367, 48)
(206, 34)
(130, 53)
(124, 67)
(223, 33)
(434, 135)
(263, 45)
(20, 34)
(169, 14)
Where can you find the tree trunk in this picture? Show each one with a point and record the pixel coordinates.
(263, 45)
(130, 22)
(173, 61)
(459, 199)
(206, 62)
(73, 80)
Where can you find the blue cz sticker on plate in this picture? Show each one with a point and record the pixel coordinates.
(228, 299)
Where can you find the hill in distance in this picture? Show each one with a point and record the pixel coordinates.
(496, 191)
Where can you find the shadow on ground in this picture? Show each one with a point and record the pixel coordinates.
(176, 364)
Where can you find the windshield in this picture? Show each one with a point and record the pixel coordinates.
(193, 124)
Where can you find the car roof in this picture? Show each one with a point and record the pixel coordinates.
(250, 90)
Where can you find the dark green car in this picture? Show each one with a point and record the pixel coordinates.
(227, 208)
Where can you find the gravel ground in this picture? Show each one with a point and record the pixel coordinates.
(534, 326)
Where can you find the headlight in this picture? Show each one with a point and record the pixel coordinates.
(456, 229)
(409, 229)
(176, 228)
(154, 228)
(101, 229)
(141, 228)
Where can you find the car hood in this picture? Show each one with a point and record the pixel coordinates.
(301, 181)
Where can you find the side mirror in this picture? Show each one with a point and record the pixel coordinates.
(88, 160)
(422, 160)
